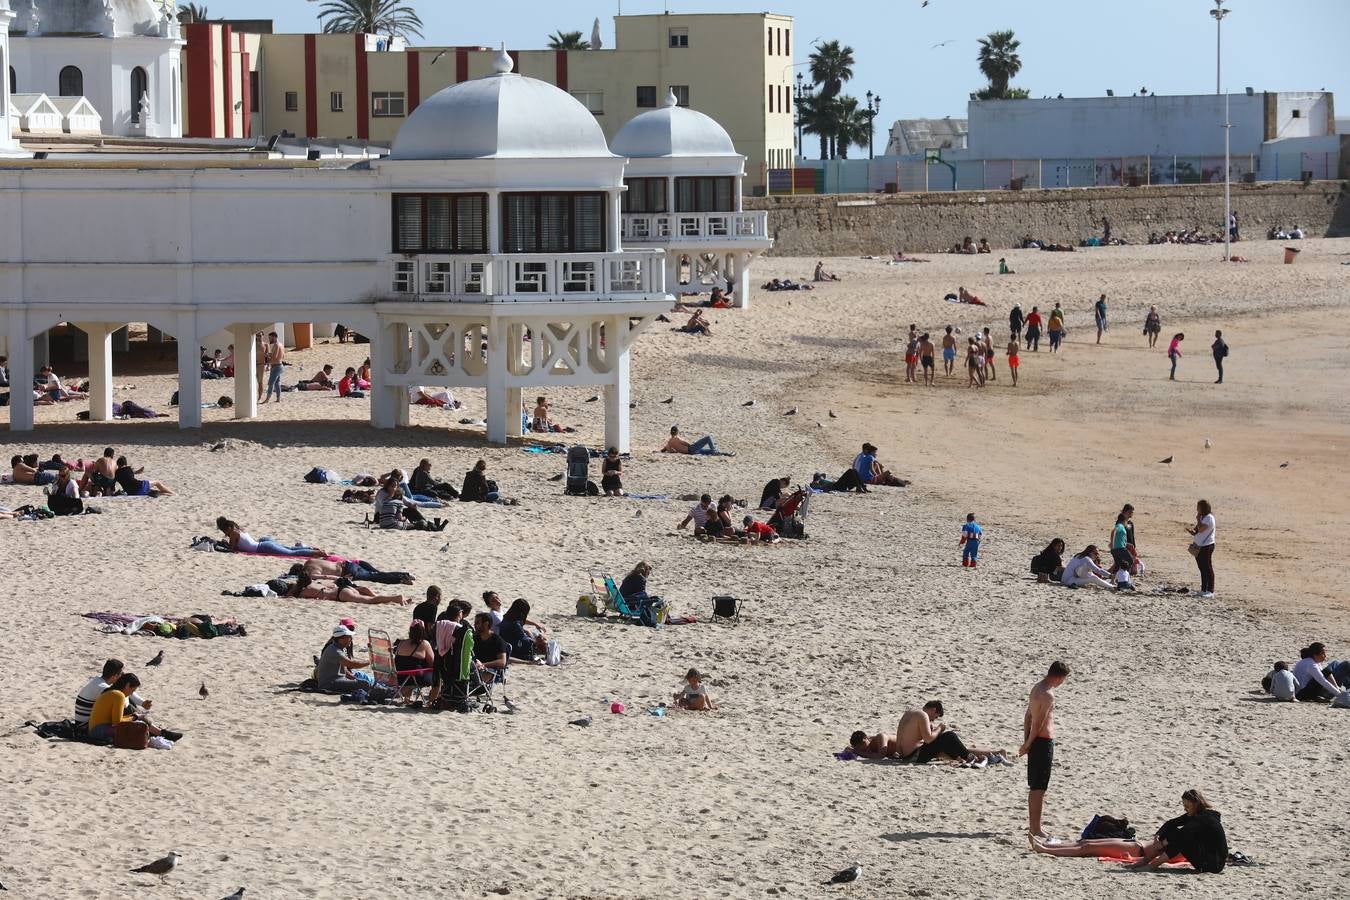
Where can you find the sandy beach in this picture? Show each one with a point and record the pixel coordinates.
(295, 796)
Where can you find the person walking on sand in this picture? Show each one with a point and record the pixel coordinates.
(987, 347)
(926, 351)
(912, 356)
(1202, 546)
(1013, 359)
(1152, 326)
(1174, 353)
(1038, 742)
(1015, 321)
(1034, 329)
(260, 363)
(1220, 349)
(275, 369)
(1099, 314)
(1055, 328)
(949, 352)
(973, 360)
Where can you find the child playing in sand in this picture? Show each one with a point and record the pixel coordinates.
(693, 695)
(971, 534)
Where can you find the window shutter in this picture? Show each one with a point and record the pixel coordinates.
(590, 223)
(471, 225)
(408, 211)
(438, 225)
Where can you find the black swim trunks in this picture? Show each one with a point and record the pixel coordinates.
(1040, 758)
(927, 361)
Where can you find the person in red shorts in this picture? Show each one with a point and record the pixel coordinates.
(912, 356)
(1013, 360)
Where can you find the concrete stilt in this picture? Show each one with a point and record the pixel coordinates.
(515, 424)
(741, 271)
(99, 344)
(616, 403)
(382, 398)
(245, 371)
(496, 385)
(402, 356)
(189, 373)
(21, 372)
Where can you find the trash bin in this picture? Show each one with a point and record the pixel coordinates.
(1290, 254)
(304, 335)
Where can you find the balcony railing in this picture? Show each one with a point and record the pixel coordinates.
(695, 227)
(530, 278)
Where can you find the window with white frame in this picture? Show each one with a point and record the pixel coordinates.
(679, 37)
(594, 101)
(387, 104)
(405, 278)
(681, 92)
(335, 101)
(292, 101)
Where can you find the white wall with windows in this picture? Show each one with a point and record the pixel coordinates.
(113, 73)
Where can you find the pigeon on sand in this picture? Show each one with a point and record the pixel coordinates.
(159, 658)
(203, 692)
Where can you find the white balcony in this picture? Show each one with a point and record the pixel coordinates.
(714, 228)
(530, 278)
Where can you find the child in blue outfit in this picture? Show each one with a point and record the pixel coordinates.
(971, 533)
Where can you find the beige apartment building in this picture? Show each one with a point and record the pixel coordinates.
(735, 67)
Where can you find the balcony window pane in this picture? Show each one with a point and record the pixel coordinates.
(438, 225)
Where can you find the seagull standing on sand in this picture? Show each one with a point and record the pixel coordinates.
(161, 867)
(237, 895)
(159, 658)
(203, 692)
(852, 873)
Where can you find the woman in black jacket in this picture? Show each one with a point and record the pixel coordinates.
(1196, 837)
(477, 488)
(1048, 565)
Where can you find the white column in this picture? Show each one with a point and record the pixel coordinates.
(402, 357)
(189, 373)
(741, 295)
(20, 370)
(615, 242)
(497, 412)
(617, 396)
(245, 371)
(515, 425)
(494, 222)
(382, 413)
(100, 370)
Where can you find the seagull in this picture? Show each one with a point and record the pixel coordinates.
(1284, 465)
(852, 873)
(203, 692)
(923, 4)
(668, 400)
(161, 867)
(237, 895)
(435, 59)
(445, 548)
(791, 412)
(1166, 462)
(159, 658)
(941, 44)
(1208, 443)
(748, 403)
(583, 722)
(832, 415)
(592, 398)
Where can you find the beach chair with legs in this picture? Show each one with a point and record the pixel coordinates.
(385, 669)
(604, 587)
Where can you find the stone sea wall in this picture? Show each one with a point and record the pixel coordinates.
(857, 224)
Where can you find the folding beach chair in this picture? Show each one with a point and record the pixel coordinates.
(728, 608)
(482, 682)
(385, 670)
(604, 586)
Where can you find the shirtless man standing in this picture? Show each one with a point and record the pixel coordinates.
(1014, 360)
(1038, 743)
(912, 356)
(926, 351)
(275, 355)
(949, 352)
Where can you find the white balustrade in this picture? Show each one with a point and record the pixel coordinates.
(509, 278)
(710, 227)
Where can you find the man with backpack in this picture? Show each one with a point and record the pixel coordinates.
(1220, 349)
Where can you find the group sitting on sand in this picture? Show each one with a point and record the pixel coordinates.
(109, 702)
(920, 738)
(866, 472)
(785, 284)
(1314, 678)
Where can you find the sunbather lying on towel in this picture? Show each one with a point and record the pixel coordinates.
(309, 589)
(240, 542)
(354, 569)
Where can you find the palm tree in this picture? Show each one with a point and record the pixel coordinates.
(999, 61)
(831, 66)
(852, 125)
(198, 13)
(820, 116)
(567, 40)
(390, 17)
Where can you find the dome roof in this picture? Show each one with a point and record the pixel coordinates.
(673, 131)
(38, 17)
(500, 116)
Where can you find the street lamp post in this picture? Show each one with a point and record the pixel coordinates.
(873, 108)
(1218, 12)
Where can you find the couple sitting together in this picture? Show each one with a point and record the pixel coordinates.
(920, 738)
(866, 470)
(109, 701)
(1314, 678)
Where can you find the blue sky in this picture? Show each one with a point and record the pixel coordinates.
(1078, 49)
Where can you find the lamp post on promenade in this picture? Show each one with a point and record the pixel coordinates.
(1218, 12)
(873, 109)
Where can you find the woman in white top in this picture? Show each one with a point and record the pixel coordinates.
(1085, 570)
(1313, 683)
(1203, 539)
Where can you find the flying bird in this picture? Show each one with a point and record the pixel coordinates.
(1166, 462)
(853, 872)
(159, 658)
(941, 44)
(435, 59)
(203, 692)
(161, 867)
(923, 4)
(237, 895)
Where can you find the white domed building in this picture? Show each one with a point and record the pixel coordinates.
(123, 55)
(484, 252)
(684, 181)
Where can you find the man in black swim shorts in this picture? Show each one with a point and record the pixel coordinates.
(1038, 742)
(926, 351)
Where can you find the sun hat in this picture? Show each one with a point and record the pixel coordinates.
(343, 631)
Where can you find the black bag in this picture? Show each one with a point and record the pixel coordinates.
(592, 490)
(1108, 827)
